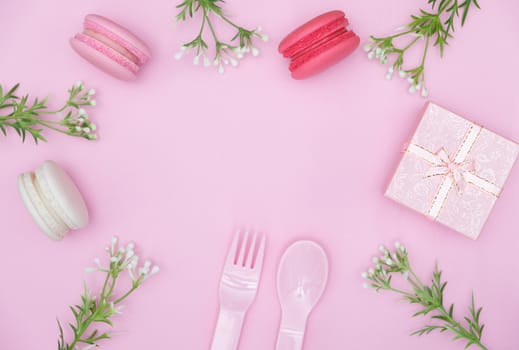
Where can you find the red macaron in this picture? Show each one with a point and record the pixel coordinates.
(318, 44)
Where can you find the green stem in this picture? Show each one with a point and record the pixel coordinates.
(230, 22)
(212, 28)
(400, 34)
(125, 295)
(425, 50)
(404, 293)
(50, 126)
(410, 44)
(204, 18)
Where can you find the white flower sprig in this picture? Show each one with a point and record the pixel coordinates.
(225, 53)
(435, 28)
(430, 298)
(27, 118)
(102, 307)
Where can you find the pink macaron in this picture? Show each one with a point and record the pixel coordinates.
(110, 47)
(318, 44)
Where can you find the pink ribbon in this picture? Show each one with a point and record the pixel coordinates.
(445, 166)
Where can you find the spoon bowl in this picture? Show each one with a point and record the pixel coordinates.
(302, 277)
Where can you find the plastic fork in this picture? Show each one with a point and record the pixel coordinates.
(238, 287)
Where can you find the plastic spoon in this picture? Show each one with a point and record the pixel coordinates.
(302, 276)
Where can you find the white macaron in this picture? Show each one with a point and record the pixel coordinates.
(53, 200)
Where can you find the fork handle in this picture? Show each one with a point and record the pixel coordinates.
(289, 340)
(228, 330)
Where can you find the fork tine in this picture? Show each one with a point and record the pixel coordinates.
(252, 249)
(243, 248)
(261, 252)
(231, 256)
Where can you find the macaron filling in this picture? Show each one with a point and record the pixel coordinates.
(137, 56)
(45, 212)
(324, 33)
(102, 47)
(319, 47)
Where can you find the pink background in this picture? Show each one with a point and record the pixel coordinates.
(185, 156)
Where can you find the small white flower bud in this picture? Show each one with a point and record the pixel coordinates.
(402, 74)
(221, 70)
(364, 275)
(378, 52)
(255, 52)
(264, 37)
(207, 61)
(78, 128)
(389, 76)
(397, 244)
(183, 48)
(410, 80)
(371, 54)
(365, 285)
(196, 60)
(154, 270)
(412, 89)
(234, 62)
(81, 111)
(216, 62)
(93, 126)
(259, 29)
(371, 272)
(79, 84)
(367, 47)
(424, 92)
(389, 261)
(93, 103)
(375, 260)
(178, 55)
(382, 248)
(86, 130)
(92, 92)
(391, 69)
(80, 121)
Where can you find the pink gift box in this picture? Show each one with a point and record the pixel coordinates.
(453, 171)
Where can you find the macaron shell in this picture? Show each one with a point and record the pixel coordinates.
(33, 203)
(62, 195)
(102, 61)
(310, 27)
(119, 34)
(127, 38)
(324, 56)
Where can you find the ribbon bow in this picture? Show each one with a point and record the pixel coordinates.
(444, 165)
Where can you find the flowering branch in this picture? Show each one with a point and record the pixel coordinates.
(435, 27)
(430, 298)
(225, 52)
(26, 118)
(98, 310)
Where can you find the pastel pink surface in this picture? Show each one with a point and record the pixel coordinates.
(493, 157)
(186, 155)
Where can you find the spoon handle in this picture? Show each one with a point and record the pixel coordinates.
(289, 340)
